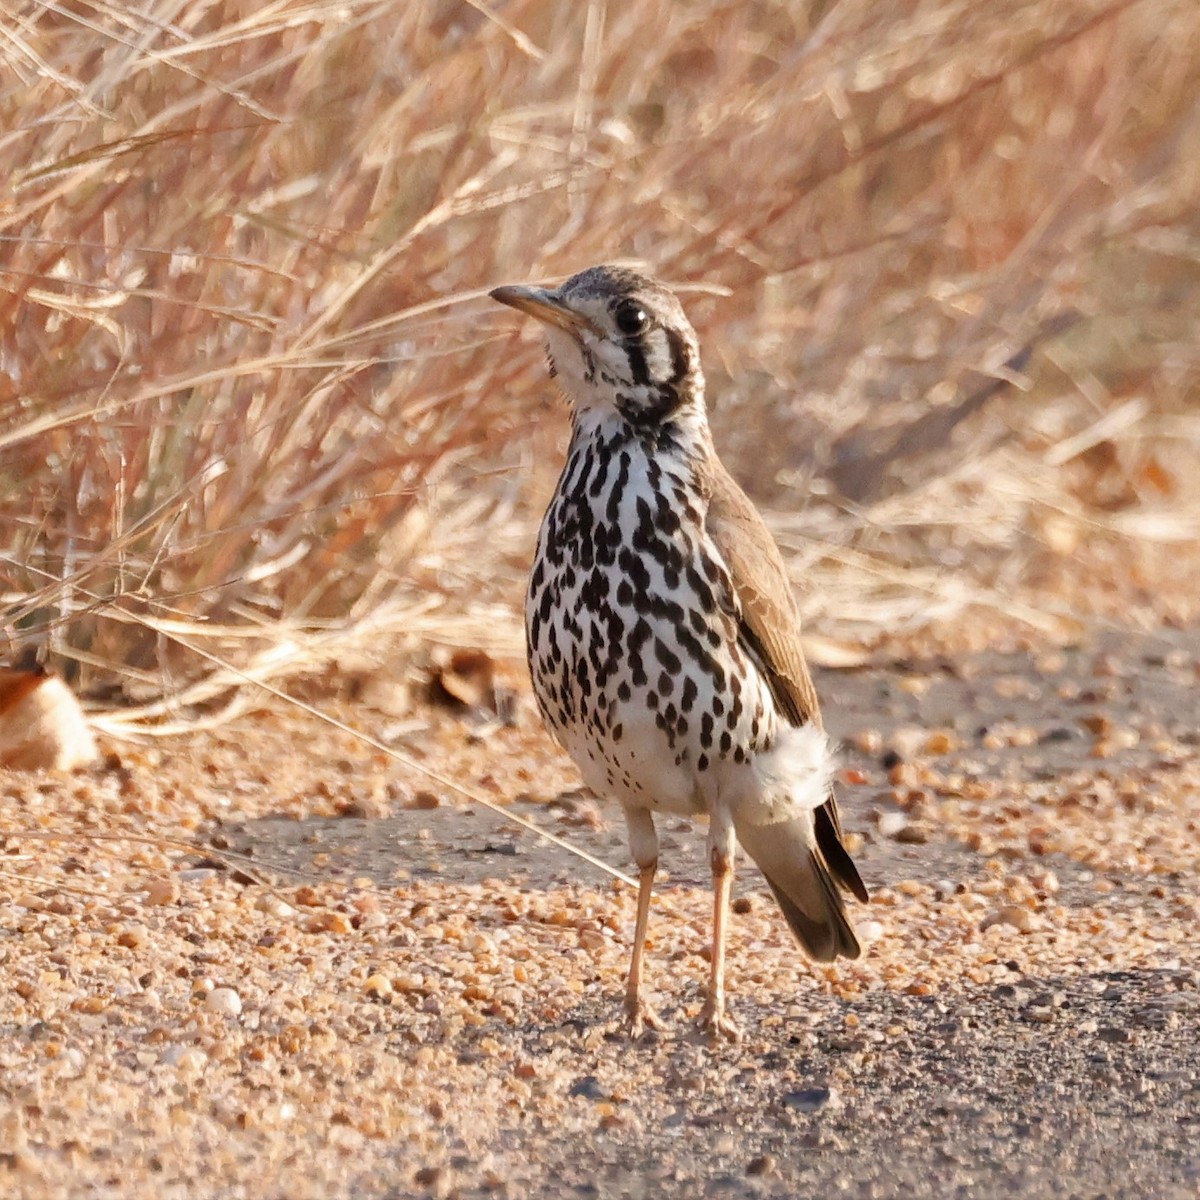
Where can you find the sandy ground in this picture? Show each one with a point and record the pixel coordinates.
(366, 987)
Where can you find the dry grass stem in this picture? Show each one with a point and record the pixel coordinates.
(252, 397)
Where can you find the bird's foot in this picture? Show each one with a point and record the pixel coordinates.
(639, 1017)
(718, 1024)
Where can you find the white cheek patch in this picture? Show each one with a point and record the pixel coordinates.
(567, 358)
(657, 350)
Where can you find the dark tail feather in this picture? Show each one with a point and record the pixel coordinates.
(829, 937)
(803, 886)
(829, 842)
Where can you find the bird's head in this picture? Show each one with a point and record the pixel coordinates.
(618, 342)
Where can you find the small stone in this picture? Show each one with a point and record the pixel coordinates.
(188, 1061)
(274, 906)
(942, 741)
(224, 1001)
(1012, 915)
(587, 1086)
(763, 1164)
(133, 937)
(811, 1100)
(870, 931)
(1045, 881)
(379, 986)
(743, 905)
(867, 741)
(329, 922)
(161, 890)
(198, 874)
(1114, 1035)
(891, 823)
(1060, 733)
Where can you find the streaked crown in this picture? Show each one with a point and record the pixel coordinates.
(617, 340)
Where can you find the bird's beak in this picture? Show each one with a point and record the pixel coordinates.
(545, 306)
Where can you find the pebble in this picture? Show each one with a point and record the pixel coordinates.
(867, 741)
(133, 937)
(224, 1001)
(1013, 915)
(891, 823)
(1060, 733)
(377, 985)
(811, 1100)
(162, 890)
(198, 874)
(273, 906)
(188, 1060)
(763, 1164)
(588, 1086)
(942, 741)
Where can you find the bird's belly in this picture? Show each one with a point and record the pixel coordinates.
(637, 769)
(653, 698)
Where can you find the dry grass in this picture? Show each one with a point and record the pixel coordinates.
(250, 394)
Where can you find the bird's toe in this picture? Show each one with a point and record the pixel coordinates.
(639, 1017)
(718, 1024)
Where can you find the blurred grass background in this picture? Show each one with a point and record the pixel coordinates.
(254, 404)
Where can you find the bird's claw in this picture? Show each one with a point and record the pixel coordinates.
(639, 1017)
(718, 1024)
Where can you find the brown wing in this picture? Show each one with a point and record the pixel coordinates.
(770, 632)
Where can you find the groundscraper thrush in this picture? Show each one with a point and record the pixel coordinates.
(663, 637)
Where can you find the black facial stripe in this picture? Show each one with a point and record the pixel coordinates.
(639, 373)
(651, 413)
(680, 359)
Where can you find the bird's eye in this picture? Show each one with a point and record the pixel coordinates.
(631, 318)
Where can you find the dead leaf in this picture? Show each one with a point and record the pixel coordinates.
(1155, 475)
(468, 676)
(42, 726)
(834, 655)
(387, 692)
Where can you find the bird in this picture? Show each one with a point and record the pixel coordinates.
(663, 637)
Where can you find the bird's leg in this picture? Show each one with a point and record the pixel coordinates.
(643, 841)
(722, 847)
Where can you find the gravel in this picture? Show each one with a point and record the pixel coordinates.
(422, 1001)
